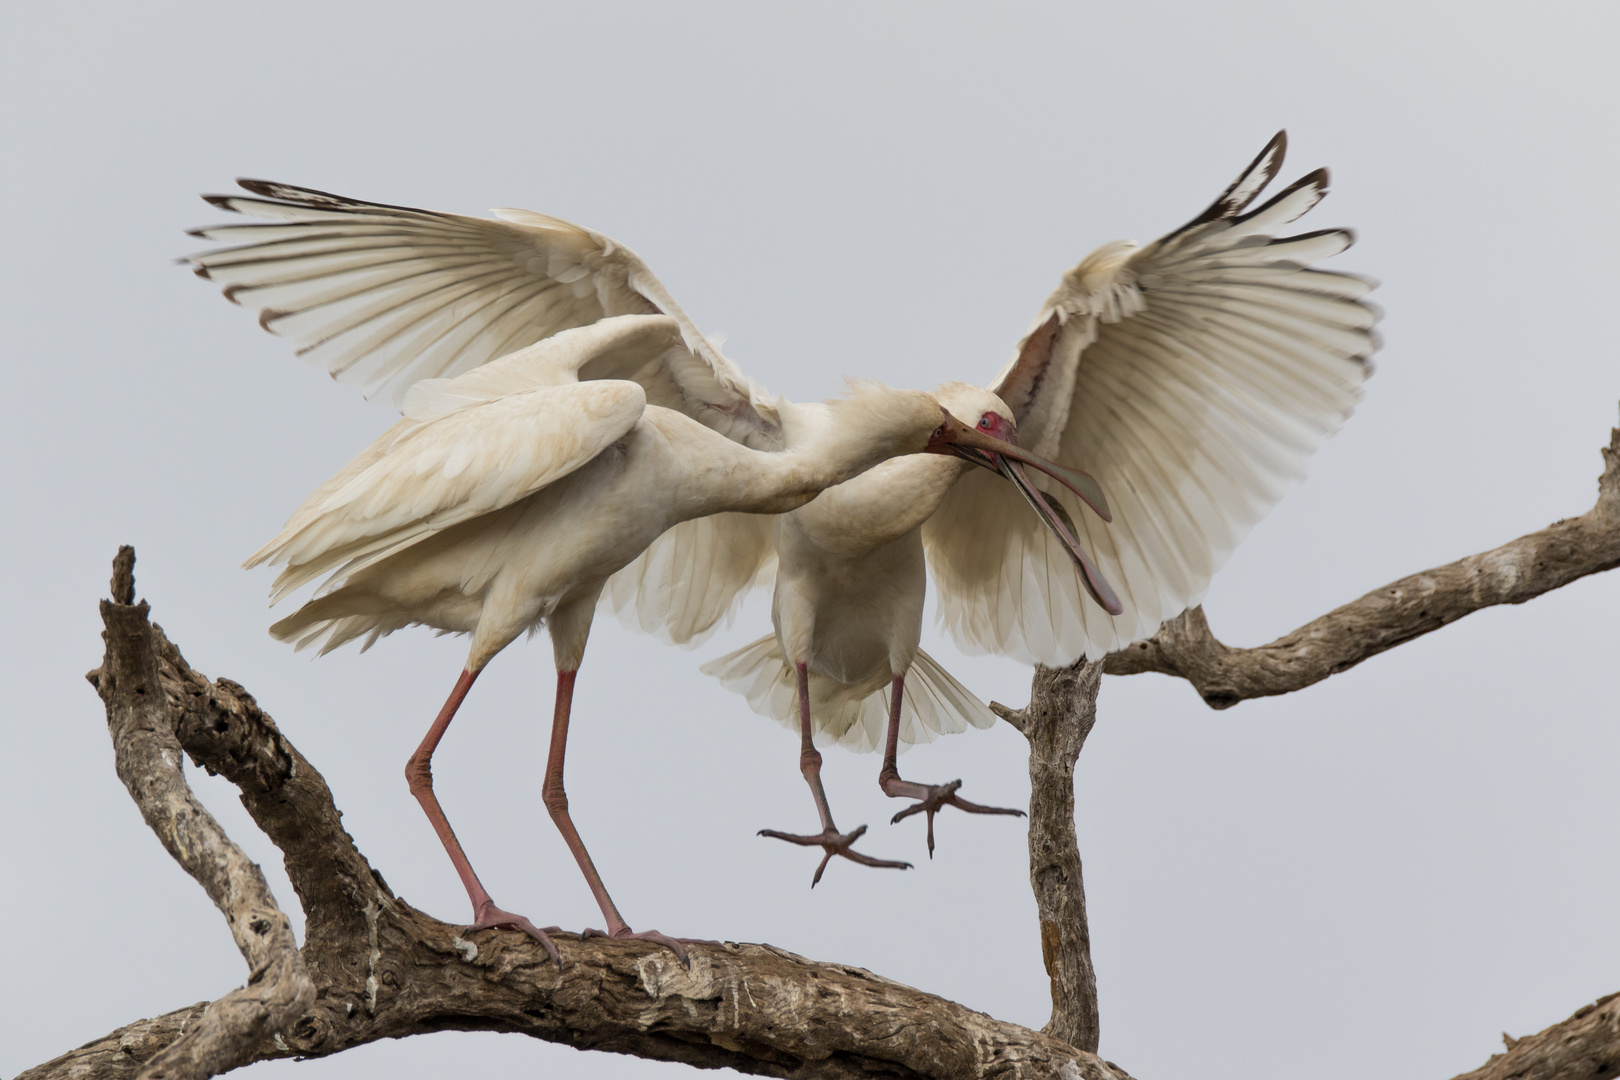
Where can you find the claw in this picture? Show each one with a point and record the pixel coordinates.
(937, 797)
(490, 917)
(673, 944)
(834, 843)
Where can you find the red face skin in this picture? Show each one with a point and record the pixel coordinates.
(992, 443)
(998, 427)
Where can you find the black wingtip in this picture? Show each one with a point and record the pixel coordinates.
(1250, 182)
(266, 188)
(1317, 178)
(221, 202)
(316, 199)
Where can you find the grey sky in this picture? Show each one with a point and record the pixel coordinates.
(1373, 877)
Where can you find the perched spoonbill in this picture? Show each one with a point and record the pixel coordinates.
(1215, 360)
(507, 496)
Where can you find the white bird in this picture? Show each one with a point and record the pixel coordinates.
(1192, 377)
(507, 497)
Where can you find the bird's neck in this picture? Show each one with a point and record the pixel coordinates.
(880, 505)
(731, 477)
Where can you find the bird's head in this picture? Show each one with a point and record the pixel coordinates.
(980, 409)
(990, 440)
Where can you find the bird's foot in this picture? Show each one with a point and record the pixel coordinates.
(832, 842)
(489, 917)
(624, 933)
(932, 798)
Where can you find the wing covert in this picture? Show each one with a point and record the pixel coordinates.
(467, 450)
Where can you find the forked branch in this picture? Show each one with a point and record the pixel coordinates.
(373, 967)
(147, 757)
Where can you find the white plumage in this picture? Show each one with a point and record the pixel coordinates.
(508, 496)
(1191, 377)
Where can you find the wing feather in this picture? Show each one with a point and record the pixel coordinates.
(382, 295)
(1192, 377)
(933, 704)
(469, 446)
(693, 578)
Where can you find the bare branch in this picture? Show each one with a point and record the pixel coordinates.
(1384, 618)
(1061, 712)
(122, 1052)
(1586, 1045)
(147, 756)
(379, 968)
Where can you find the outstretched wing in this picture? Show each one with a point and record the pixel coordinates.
(383, 296)
(386, 297)
(462, 455)
(1192, 377)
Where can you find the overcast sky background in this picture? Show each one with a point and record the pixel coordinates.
(1375, 876)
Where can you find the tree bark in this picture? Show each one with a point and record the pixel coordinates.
(147, 759)
(373, 967)
(1061, 712)
(1587, 1045)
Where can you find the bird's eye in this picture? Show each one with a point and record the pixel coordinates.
(984, 421)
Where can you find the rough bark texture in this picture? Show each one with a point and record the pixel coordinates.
(147, 758)
(1061, 712)
(1587, 1046)
(373, 967)
(1384, 618)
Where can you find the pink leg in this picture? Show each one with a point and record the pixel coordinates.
(556, 799)
(419, 775)
(828, 839)
(933, 796)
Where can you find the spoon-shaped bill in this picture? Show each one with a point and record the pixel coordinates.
(1085, 487)
(992, 453)
(1053, 519)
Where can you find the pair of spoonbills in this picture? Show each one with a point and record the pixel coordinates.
(570, 438)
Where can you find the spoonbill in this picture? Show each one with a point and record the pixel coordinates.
(507, 497)
(1216, 359)
(1191, 377)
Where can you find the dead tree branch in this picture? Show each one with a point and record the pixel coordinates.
(147, 756)
(1061, 712)
(373, 967)
(1587, 1045)
(1063, 709)
(1384, 618)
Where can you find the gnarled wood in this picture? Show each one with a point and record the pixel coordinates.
(1418, 604)
(373, 967)
(147, 758)
(378, 968)
(1062, 711)
(1587, 1045)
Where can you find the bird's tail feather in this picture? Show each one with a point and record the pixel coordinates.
(337, 619)
(853, 717)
